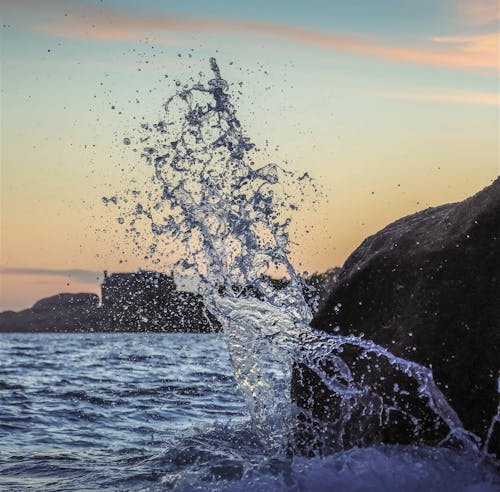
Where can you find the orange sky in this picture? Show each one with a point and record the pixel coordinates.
(391, 110)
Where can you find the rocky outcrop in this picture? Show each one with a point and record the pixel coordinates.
(62, 312)
(427, 288)
(150, 301)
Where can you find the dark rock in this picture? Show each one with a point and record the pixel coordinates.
(427, 288)
(150, 301)
(60, 301)
(62, 312)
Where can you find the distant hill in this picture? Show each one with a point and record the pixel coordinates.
(62, 312)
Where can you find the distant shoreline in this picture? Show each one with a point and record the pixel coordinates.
(137, 302)
(142, 301)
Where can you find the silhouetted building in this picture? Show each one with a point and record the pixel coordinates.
(150, 301)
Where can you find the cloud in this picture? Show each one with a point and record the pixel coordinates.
(90, 22)
(483, 47)
(83, 276)
(446, 95)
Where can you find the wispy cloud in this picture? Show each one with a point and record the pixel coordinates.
(446, 95)
(83, 276)
(484, 47)
(90, 22)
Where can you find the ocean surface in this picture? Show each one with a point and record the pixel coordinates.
(89, 412)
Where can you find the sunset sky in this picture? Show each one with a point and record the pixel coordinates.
(393, 106)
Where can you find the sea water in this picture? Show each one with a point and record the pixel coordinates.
(125, 411)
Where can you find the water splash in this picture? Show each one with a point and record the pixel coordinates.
(230, 217)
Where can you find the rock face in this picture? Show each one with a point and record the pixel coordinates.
(427, 288)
